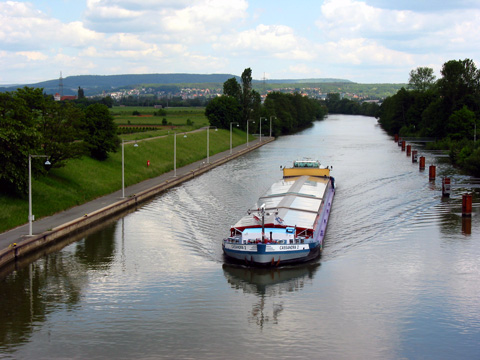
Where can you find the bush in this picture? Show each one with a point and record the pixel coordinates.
(472, 163)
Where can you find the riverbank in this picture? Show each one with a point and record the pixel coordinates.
(84, 179)
(16, 243)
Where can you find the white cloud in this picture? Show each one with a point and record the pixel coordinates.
(363, 51)
(33, 55)
(183, 20)
(341, 18)
(400, 29)
(380, 40)
(204, 20)
(24, 27)
(277, 41)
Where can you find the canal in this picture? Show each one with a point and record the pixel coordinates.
(399, 277)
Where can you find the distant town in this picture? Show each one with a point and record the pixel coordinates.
(199, 88)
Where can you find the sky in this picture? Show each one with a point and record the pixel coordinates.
(365, 41)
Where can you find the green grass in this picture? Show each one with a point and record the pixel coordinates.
(160, 132)
(85, 179)
(176, 116)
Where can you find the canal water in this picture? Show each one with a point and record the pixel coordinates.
(399, 277)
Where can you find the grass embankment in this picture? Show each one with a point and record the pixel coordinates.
(85, 179)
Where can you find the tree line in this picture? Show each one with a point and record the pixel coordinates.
(336, 105)
(446, 109)
(32, 122)
(240, 104)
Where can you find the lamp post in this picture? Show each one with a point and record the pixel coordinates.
(30, 216)
(234, 122)
(123, 166)
(271, 124)
(247, 128)
(261, 127)
(208, 142)
(175, 154)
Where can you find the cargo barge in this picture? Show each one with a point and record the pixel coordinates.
(288, 223)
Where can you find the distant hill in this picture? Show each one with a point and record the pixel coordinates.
(96, 84)
(310, 81)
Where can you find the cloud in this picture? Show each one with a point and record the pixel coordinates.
(33, 55)
(364, 51)
(184, 20)
(397, 37)
(277, 41)
(344, 18)
(24, 27)
(424, 5)
(401, 29)
(355, 39)
(206, 17)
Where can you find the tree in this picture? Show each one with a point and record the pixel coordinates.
(461, 124)
(460, 84)
(223, 110)
(101, 131)
(107, 101)
(18, 138)
(421, 79)
(61, 131)
(59, 124)
(292, 111)
(247, 103)
(232, 88)
(394, 109)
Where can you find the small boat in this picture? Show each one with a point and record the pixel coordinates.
(288, 223)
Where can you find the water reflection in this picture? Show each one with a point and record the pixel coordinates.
(399, 277)
(97, 250)
(466, 225)
(452, 221)
(268, 285)
(43, 286)
(53, 281)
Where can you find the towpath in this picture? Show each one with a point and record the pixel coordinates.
(20, 233)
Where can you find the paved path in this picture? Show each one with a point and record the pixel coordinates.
(20, 233)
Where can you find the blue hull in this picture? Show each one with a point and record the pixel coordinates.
(272, 258)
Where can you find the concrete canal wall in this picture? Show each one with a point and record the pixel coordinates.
(26, 246)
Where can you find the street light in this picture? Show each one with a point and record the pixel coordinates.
(261, 127)
(271, 124)
(253, 122)
(175, 153)
(234, 122)
(123, 166)
(48, 164)
(208, 142)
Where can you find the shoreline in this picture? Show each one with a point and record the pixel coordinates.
(15, 244)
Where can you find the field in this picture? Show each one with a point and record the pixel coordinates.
(183, 119)
(175, 116)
